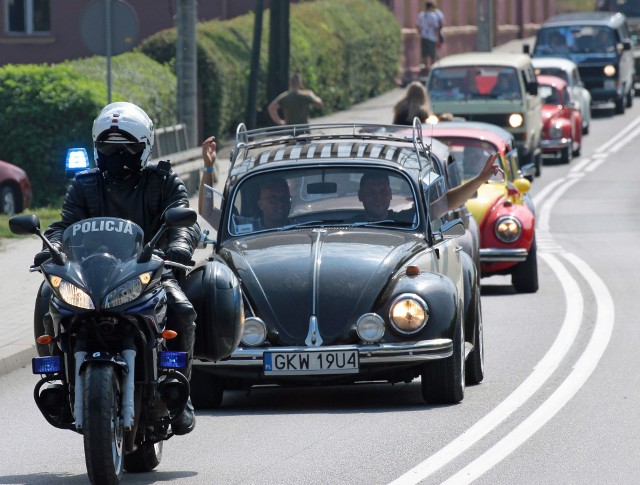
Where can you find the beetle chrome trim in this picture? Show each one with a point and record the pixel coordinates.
(491, 255)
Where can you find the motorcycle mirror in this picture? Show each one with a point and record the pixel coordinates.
(30, 224)
(180, 217)
(24, 224)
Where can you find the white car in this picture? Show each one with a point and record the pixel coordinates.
(568, 70)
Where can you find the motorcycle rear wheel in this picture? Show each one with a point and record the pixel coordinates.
(102, 424)
(145, 458)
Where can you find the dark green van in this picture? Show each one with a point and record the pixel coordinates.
(601, 45)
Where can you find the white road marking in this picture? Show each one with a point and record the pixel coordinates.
(583, 369)
(618, 137)
(542, 371)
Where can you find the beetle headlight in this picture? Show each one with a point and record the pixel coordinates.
(255, 332)
(409, 313)
(127, 292)
(508, 229)
(555, 130)
(515, 120)
(370, 327)
(609, 70)
(71, 294)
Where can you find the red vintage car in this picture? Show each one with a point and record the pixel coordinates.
(15, 189)
(561, 118)
(502, 208)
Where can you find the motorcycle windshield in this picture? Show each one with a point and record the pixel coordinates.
(118, 238)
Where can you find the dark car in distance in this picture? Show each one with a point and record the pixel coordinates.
(15, 189)
(334, 294)
(601, 45)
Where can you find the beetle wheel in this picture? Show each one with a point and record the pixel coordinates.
(443, 380)
(474, 372)
(524, 276)
(206, 390)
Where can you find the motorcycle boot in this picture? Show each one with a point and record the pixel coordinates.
(181, 316)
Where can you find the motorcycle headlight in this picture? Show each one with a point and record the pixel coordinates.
(409, 313)
(515, 120)
(127, 292)
(71, 294)
(508, 229)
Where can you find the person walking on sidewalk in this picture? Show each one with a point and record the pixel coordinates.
(428, 23)
(294, 104)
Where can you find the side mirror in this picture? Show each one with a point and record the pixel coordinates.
(627, 45)
(180, 217)
(526, 49)
(24, 224)
(522, 184)
(453, 229)
(532, 87)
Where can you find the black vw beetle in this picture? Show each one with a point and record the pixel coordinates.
(349, 264)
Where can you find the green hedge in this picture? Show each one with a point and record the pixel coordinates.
(346, 50)
(49, 109)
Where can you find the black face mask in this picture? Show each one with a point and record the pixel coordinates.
(119, 165)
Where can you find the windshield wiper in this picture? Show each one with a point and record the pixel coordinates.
(303, 224)
(382, 223)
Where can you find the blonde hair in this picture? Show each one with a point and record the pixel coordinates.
(415, 102)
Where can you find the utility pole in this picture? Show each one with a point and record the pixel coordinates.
(252, 98)
(187, 69)
(278, 72)
(485, 15)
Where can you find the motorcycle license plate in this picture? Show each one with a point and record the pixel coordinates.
(310, 363)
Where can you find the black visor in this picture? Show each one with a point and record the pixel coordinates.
(110, 148)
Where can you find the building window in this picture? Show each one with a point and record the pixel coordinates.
(27, 16)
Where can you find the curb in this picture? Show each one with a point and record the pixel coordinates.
(16, 360)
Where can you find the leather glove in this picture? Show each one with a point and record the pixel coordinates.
(179, 255)
(44, 255)
(41, 257)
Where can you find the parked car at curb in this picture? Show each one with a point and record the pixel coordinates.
(503, 208)
(568, 70)
(492, 87)
(601, 45)
(15, 189)
(336, 294)
(562, 128)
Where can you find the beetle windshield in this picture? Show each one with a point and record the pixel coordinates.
(314, 197)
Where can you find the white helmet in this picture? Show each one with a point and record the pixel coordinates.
(123, 128)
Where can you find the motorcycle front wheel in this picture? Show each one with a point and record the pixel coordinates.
(102, 424)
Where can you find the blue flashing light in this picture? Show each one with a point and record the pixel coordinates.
(46, 365)
(173, 360)
(77, 161)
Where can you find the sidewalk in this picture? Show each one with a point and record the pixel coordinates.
(19, 287)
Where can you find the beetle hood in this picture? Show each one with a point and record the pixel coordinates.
(336, 275)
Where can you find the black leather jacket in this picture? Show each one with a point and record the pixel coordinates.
(142, 200)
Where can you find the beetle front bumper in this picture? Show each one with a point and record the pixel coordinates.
(495, 255)
(371, 354)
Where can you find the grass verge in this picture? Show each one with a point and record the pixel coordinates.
(47, 215)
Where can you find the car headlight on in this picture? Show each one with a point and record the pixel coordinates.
(127, 292)
(370, 327)
(609, 70)
(508, 229)
(71, 294)
(432, 120)
(515, 120)
(555, 130)
(409, 313)
(255, 332)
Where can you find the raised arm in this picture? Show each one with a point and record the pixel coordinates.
(205, 206)
(459, 195)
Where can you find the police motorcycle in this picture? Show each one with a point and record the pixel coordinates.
(110, 376)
